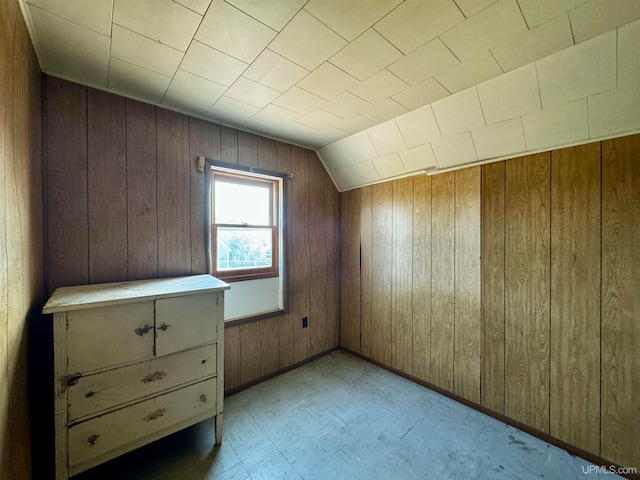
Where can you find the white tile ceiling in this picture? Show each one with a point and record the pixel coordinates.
(380, 88)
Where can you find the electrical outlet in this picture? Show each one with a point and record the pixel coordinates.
(305, 322)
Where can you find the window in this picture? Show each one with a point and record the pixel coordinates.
(245, 228)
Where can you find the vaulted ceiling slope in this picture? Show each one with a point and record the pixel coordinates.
(381, 88)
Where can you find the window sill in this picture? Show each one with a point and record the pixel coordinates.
(253, 318)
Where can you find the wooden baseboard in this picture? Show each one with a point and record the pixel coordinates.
(250, 384)
(571, 449)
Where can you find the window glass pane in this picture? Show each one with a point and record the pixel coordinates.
(242, 248)
(241, 204)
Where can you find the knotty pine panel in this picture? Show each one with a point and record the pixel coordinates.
(575, 296)
(381, 265)
(493, 301)
(173, 196)
(142, 218)
(468, 319)
(620, 387)
(421, 261)
(402, 276)
(21, 254)
(442, 279)
(366, 245)
(527, 294)
(107, 187)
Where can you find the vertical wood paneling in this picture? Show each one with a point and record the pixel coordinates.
(350, 319)
(66, 184)
(204, 139)
(493, 209)
(319, 257)
(575, 296)
(527, 290)
(142, 229)
(269, 345)
(250, 355)
(468, 320)
(402, 276)
(366, 244)
(21, 254)
(332, 239)
(267, 154)
(381, 265)
(107, 187)
(247, 149)
(301, 256)
(288, 321)
(173, 195)
(422, 277)
(228, 144)
(442, 279)
(620, 388)
(231, 357)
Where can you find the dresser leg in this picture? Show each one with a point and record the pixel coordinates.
(219, 429)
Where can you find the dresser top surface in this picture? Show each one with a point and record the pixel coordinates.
(103, 294)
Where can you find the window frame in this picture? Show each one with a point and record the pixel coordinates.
(250, 179)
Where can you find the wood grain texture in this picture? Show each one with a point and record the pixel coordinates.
(468, 320)
(66, 184)
(575, 296)
(228, 144)
(332, 239)
(107, 186)
(269, 345)
(288, 321)
(381, 265)
(319, 257)
(421, 260)
(232, 352)
(493, 251)
(366, 260)
(21, 254)
(442, 279)
(301, 255)
(173, 195)
(527, 294)
(402, 276)
(350, 318)
(142, 228)
(250, 355)
(620, 388)
(267, 154)
(247, 149)
(204, 139)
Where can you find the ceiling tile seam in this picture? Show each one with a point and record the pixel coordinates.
(141, 67)
(497, 62)
(535, 66)
(524, 135)
(373, 74)
(455, 2)
(484, 117)
(522, 13)
(323, 23)
(148, 38)
(251, 16)
(573, 35)
(65, 19)
(473, 143)
(191, 9)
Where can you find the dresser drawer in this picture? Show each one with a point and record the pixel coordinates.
(101, 391)
(107, 336)
(99, 435)
(182, 322)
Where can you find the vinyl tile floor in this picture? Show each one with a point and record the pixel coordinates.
(341, 417)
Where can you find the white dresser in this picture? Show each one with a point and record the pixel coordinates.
(133, 362)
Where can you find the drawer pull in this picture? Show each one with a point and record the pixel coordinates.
(89, 394)
(164, 327)
(142, 330)
(93, 439)
(203, 398)
(152, 377)
(155, 414)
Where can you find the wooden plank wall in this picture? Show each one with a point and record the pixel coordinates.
(21, 250)
(124, 201)
(543, 327)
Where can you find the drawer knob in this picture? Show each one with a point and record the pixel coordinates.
(203, 398)
(164, 327)
(92, 440)
(142, 330)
